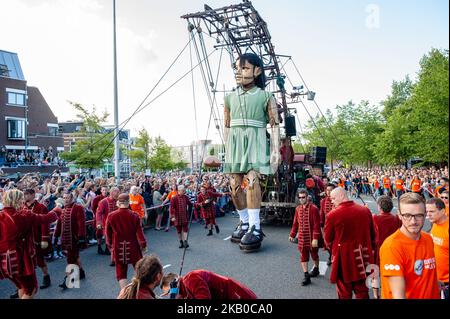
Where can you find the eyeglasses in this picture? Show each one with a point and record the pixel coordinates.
(408, 217)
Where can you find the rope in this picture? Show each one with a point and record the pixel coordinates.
(154, 99)
(315, 103)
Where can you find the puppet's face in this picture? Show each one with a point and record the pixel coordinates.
(246, 74)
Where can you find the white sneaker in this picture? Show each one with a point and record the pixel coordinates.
(92, 241)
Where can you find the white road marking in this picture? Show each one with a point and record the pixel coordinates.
(166, 266)
(227, 238)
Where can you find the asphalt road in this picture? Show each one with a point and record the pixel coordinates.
(272, 272)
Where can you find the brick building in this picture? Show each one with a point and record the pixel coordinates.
(27, 124)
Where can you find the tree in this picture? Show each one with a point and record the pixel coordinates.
(160, 159)
(94, 147)
(141, 155)
(430, 107)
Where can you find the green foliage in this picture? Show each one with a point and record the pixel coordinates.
(154, 153)
(92, 149)
(140, 156)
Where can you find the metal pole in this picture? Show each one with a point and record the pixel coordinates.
(116, 106)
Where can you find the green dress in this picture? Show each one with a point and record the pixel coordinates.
(247, 146)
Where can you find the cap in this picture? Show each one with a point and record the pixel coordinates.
(124, 197)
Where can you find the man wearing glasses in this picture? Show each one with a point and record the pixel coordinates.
(407, 260)
(307, 225)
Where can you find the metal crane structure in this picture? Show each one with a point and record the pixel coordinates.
(240, 29)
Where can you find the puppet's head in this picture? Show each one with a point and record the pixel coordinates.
(250, 69)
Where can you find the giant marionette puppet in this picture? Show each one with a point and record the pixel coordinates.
(249, 152)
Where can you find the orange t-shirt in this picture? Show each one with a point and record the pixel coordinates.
(436, 190)
(137, 204)
(377, 184)
(415, 185)
(386, 183)
(439, 233)
(399, 184)
(171, 194)
(446, 210)
(414, 261)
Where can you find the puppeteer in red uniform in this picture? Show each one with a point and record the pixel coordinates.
(204, 284)
(307, 226)
(105, 207)
(41, 234)
(205, 201)
(179, 208)
(71, 227)
(350, 233)
(125, 237)
(17, 249)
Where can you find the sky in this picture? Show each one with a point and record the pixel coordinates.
(345, 50)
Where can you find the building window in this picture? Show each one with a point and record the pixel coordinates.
(4, 70)
(52, 131)
(16, 129)
(16, 98)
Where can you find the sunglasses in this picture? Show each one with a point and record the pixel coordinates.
(444, 197)
(302, 197)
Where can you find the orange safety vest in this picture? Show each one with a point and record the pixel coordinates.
(399, 184)
(415, 185)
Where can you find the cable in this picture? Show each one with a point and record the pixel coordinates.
(124, 123)
(315, 103)
(173, 84)
(314, 123)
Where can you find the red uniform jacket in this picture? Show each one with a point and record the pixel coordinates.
(17, 250)
(41, 232)
(350, 233)
(105, 206)
(325, 207)
(306, 224)
(71, 226)
(124, 236)
(95, 203)
(208, 210)
(203, 284)
(385, 225)
(179, 209)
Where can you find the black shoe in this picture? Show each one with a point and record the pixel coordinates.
(306, 280)
(209, 233)
(181, 244)
(217, 229)
(315, 272)
(100, 250)
(239, 233)
(112, 264)
(107, 252)
(45, 282)
(82, 274)
(63, 284)
(250, 238)
(14, 295)
(186, 245)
